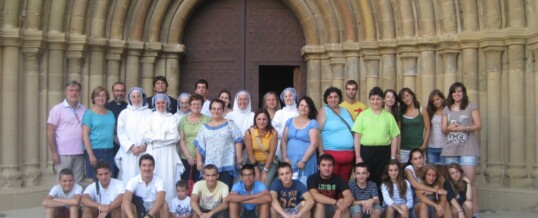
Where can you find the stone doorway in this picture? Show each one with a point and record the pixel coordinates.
(227, 41)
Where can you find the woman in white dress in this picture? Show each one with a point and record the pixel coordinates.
(290, 99)
(242, 114)
(162, 138)
(130, 134)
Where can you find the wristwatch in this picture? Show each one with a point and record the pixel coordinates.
(265, 169)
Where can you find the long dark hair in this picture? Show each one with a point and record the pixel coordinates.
(403, 106)
(400, 181)
(464, 100)
(430, 107)
(229, 98)
(269, 128)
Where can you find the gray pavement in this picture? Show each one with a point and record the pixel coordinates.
(39, 212)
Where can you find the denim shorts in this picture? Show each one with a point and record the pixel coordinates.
(462, 160)
(357, 209)
(434, 156)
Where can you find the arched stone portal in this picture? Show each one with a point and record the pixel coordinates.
(490, 45)
(227, 42)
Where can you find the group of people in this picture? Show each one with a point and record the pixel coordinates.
(195, 157)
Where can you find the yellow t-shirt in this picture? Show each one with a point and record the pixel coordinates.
(265, 139)
(354, 109)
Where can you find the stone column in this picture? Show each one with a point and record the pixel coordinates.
(408, 60)
(534, 46)
(113, 61)
(388, 68)
(372, 71)
(148, 65)
(517, 169)
(494, 161)
(427, 72)
(470, 69)
(312, 56)
(174, 53)
(97, 64)
(54, 88)
(10, 176)
(32, 54)
(132, 72)
(75, 55)
(450, 63)
(337, 68)
(351, 69)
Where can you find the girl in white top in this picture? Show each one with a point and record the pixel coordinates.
(396, 191)
(131, 122)
(242, 114)
(437, 140)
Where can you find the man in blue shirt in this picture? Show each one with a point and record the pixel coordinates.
(250, 194)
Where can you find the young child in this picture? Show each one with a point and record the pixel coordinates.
(366, 201)
(431, 203)
(459, 192)
(180, 207)
(65, 195)
(396, 191)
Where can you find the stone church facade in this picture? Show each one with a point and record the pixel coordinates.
(489, 45)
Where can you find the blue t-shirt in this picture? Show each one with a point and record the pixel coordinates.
(239, 188)
(101, 129)
(289, 197)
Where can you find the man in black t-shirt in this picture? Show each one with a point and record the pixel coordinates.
(330, 192)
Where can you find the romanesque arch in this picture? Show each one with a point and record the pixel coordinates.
(490, 45)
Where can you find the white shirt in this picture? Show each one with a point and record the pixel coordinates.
(57, 192)
(205, 108)
(148, 193)
(181, 207)
(108, 195)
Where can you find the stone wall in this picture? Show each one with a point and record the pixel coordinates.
(489, 45)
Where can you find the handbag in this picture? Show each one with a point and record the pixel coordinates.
(190, 183)
(259, 142)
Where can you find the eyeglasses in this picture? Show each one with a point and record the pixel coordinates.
(248, 175)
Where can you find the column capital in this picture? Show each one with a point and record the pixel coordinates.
(427, 47)
(153, 46)
(403, 49)
(387, 50)
(174, 48)
(515, 41)
(56, 40)
(11, 37)
(312, 52)
(135, 45)
(336, 61)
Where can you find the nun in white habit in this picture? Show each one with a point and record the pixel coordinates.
(131, 122)
(290, 99)
(162, 138)
(242, 114)
(183, 107)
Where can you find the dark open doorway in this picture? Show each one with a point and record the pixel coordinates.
(276, 79)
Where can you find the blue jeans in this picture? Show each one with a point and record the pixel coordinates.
(106, 155)
(434, 156)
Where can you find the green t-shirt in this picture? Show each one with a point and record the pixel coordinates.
(190, 131)
(376, 130)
